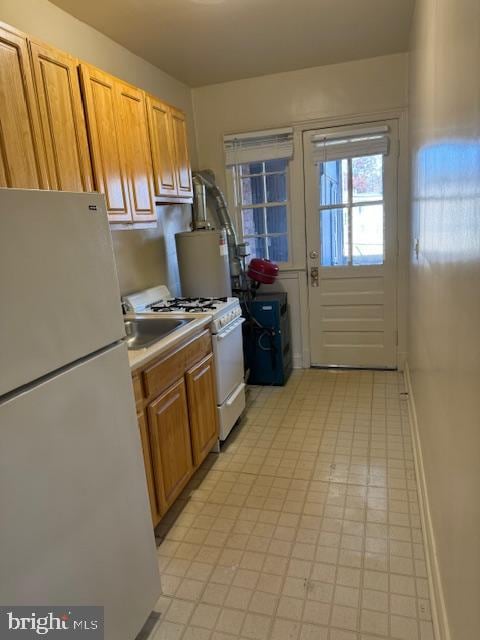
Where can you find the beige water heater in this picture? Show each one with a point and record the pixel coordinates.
(203, 263)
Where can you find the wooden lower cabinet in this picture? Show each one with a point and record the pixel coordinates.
(147, 458)
(202, 408)
(177, 417)
(171, 445)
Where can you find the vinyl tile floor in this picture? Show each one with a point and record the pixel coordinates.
(306, 526)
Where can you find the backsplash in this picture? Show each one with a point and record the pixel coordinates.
(147, 257)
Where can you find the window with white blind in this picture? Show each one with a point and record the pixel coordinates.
(350, 179)
(258, 165)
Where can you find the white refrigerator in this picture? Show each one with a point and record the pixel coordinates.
(75, 525)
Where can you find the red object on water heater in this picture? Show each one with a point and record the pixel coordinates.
(262, 271)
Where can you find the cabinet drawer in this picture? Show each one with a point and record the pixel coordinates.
(197, 349)
(172, 366)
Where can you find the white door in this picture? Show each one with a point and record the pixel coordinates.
(351, 224)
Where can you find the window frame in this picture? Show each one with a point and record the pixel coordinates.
(234, 197)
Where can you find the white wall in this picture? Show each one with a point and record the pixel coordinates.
(342, 93)
(144, 257)
(444, 345)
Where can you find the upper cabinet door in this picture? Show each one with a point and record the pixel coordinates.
(22, 155)
(184, 172)
(62, 118)
(105, 132)
(163, 148)
(136, 151)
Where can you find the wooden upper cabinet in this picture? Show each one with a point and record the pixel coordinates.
(22, 154)
(106, 145)
(202, 407)
(163, 148)
(62, 118)
(135, 143)
(183, 167)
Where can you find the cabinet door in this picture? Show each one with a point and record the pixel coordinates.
(170, 440)
(163, 148)
(104, 129)
(22, 154)
(62, 118)
(147, 458)
(136, 151)
(183, 168)
(202, 408)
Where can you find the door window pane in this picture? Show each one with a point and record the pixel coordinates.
(367, 234)
(333, 182)
(367, 178)
(334, 237)
(278, 248)
(253, 221)
(277, 219)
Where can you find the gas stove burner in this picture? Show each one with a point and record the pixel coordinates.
(187, 305)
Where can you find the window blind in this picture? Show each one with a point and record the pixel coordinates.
(353, 143)
(258, 146)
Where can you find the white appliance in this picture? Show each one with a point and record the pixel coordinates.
(76, 526)
(203, 263)
(226, 328)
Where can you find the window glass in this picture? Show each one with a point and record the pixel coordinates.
(333, 182)
(367, 178)
(253, 190)
(253, 221)
(277, 219)
(275, 165)
(334, 237)
(276, 184)
(367, 234)
(353, 233)
(264, 208)
(278, 248)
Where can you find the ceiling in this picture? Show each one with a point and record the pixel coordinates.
(208, 41)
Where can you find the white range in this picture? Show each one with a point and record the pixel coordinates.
(226, 328)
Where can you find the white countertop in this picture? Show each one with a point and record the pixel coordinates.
(140, 357)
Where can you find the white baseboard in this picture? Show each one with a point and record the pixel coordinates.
(297, 361)
(439, 611)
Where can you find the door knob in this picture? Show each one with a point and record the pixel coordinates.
(314, 276)
(313, 255)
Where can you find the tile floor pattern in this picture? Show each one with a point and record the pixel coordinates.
(307, 526)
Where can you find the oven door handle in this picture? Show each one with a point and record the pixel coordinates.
(235, 394)
(236, 323)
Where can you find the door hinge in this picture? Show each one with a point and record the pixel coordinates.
(396, 337)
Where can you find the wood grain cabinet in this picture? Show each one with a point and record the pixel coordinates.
(22, 153)
(202, 408)
(171, 444)
(172, 175)
(62, 118)
(176, 392)
(117, 127)
(182, 159)
(135, 149)
(69, 126)
(147, 459)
